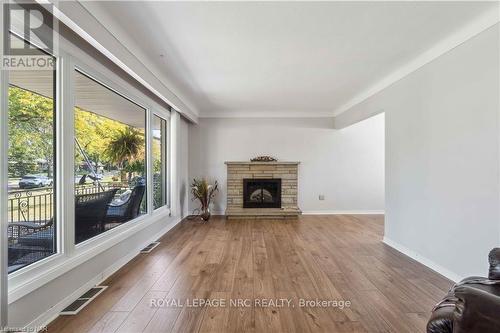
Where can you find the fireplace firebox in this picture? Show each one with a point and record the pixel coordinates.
(262, 193)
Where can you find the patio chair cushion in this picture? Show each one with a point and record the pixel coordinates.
(129, 209)
(123, 198)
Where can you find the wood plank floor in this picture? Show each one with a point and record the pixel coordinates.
(331, 257)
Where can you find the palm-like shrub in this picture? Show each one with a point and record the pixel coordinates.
(126, 146)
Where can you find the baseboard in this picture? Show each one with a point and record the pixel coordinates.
(46, 318)
(343, 212)
(50, 315)
(423, 260)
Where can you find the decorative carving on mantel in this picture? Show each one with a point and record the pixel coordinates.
(263, 159)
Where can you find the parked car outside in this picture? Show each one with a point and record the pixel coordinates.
(34, 181)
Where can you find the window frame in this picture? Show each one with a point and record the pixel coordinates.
(110, 84)
(107, 84)
(4, 148)
(58, 204)
(165, 142)
(68, 58)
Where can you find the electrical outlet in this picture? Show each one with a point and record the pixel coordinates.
(321, 197)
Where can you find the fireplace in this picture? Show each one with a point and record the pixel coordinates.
(262, 193)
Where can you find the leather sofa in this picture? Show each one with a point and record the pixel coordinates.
(472, 305)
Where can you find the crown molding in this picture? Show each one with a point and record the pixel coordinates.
(475, 27)
(266, 114)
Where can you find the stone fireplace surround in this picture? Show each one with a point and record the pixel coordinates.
(286, 171)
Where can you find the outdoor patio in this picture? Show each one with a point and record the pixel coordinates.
(98, 207)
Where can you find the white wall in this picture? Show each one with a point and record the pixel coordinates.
(442, 158)
(347, 165)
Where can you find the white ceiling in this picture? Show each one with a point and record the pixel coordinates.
(89, 95)
(279, 58)
(92, 96)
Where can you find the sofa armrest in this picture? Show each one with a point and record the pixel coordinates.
(494, 260)
(441, 320)
(476, 311)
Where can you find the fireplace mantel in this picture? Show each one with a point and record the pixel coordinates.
(237, 171)
(261, 163)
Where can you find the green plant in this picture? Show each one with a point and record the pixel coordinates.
(136, 166)
(31, 132)
(126, 146)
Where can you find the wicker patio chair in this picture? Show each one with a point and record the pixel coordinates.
(90, 211)
(30, 242)
(129, 209)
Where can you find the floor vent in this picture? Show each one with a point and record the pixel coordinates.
(150, 247)
(82, 301)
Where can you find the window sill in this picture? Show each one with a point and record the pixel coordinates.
(34, 276)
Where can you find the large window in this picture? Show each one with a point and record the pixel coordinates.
(110, 159)
(159, 151)
(31, 166)
(115, 137)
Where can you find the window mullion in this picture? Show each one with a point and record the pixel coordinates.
(4, 148)
(149, 159)
(164, 168)
(168, 165)
(175, 120)
(65, 148)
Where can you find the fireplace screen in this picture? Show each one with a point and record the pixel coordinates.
(262, 193)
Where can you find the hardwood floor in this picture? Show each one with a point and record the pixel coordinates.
(331, 257)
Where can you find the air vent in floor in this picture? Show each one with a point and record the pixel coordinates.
(83, 300)
(150, 247)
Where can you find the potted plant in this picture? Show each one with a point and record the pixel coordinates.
(204, 192)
